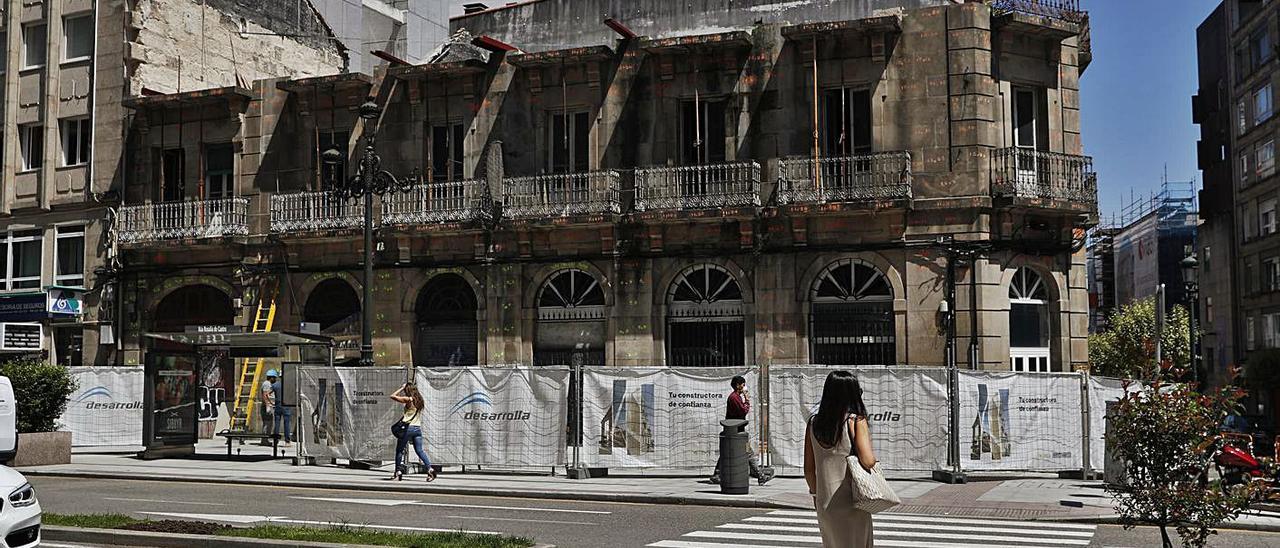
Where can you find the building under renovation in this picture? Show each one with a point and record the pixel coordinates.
(631, 183)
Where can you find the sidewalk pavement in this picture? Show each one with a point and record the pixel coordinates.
(1043, 497)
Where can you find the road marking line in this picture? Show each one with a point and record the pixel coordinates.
(693, 544)
(1025, 541)
(383, 502)
(914, 533)
(946, 519)
(756, 536)
(915, 527)
(166, 501)
(879, 543)
(389, 527)
(231, 518)
(527, 520)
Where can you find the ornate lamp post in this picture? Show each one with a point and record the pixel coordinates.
(1190, 271)
(370, 180)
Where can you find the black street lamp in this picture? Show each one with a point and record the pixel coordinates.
(1190, 271)
(370, 180)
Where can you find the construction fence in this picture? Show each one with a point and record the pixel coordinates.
(660, 418)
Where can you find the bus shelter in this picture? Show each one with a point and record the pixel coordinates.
(174, 369)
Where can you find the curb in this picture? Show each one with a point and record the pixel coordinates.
(120, 537)
(440, 490)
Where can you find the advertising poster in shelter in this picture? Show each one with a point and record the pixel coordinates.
(907, 410)
(497, 416)
(1020, 421)
(658, 417)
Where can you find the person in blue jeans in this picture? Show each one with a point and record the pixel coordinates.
(283, 413)
(413, 404)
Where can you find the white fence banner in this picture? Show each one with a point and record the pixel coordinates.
(908, 408)
(106, 409)
(496, 416)
(1020, 421)
(1101, 391)
(344, 412)
(657, 417)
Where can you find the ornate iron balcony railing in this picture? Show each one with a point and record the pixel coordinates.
(189, 219)
(1027, 173)
(867, 177)
(698, 187)
(561, 194)
(437, 202)
(314, 211)
(1066, 10)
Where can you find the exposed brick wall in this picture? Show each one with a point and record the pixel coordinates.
(184, 45)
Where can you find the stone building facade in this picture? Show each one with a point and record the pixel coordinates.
(689, 197)
(70, 67)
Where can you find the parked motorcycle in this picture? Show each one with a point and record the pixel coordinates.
(1238, 464)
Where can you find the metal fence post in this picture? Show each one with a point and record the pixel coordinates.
(1086, 470)
(762, 433)
(576, 470)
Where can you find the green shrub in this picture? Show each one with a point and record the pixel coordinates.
(42, 390)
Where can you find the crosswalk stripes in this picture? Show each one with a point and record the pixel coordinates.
(799, 529)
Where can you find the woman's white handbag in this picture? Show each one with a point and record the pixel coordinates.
(871, 492)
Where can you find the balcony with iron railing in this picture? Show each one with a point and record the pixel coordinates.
(560, 195)
(878, 177)
(317, 211)
(710, 186)
(181, 221)
(1029, 174)
(438, 202)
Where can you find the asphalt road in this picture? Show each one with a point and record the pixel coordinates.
(558, 522)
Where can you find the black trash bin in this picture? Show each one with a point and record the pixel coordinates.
(735, 473)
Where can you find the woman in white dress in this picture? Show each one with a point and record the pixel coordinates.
(838, 430)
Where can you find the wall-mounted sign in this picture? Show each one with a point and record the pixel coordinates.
(23, 307)
(21, 337)
(214, 329)
(65, 301)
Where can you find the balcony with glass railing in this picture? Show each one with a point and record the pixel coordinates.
(561, 195)
(877, 177)
(1029, 174)
(709, 186)
(309, 212)
(182, 221)
(438, 202)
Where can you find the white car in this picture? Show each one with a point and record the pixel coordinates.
(19, 511)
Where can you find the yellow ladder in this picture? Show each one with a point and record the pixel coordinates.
(251, 368)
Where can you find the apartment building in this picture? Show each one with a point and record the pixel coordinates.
(885, 182)
(70, 68)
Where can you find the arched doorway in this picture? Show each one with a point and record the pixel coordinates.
(334, 305)
(193, 305)
(1028, 322)
(705, 319)
(851, 321)
(571, 320)
(446, 332)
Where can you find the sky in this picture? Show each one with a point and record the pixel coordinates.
(1135, 96)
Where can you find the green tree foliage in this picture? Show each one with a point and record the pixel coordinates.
(42, 390)
(1127, 348)
(1165, 434)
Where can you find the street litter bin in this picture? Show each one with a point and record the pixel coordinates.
(735, 474)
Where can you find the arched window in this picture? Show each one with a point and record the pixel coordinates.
(704, 319)
(333, 305)
(571, 320)
(851, 321)
(193, 305)
(446, 332)
(1028, 322)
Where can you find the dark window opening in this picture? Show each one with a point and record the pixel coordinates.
(853, 334)
(570, 142)
(446, 152)
(705, 344)
(219, 162)
(172, 166)
(847, 122)
(702, 132)
(192, 305)
(447, 330)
